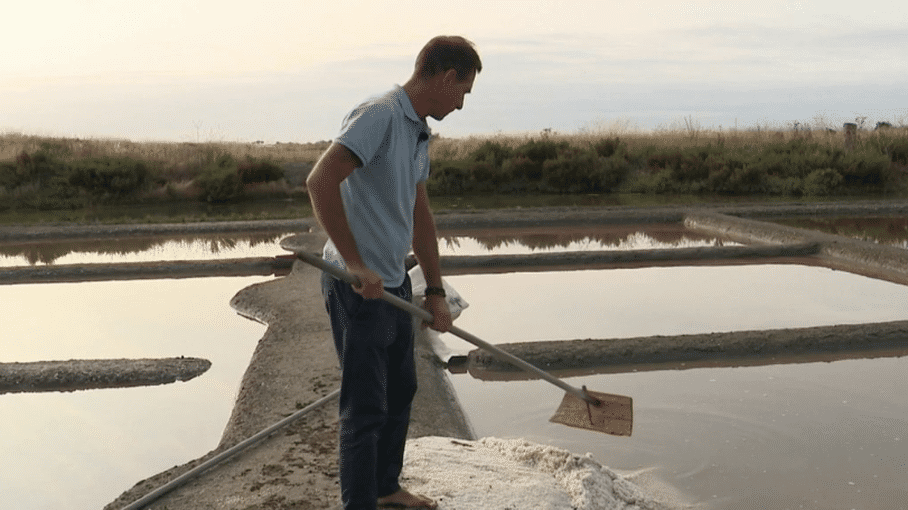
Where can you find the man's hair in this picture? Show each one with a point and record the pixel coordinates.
(447, 52)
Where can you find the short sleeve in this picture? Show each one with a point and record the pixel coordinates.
(365, 129)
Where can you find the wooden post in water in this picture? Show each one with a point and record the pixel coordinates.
(851, 134)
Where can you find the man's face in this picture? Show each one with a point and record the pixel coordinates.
(451, 94)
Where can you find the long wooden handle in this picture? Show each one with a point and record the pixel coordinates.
(426, 316)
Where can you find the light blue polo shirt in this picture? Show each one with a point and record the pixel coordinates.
(379, 197)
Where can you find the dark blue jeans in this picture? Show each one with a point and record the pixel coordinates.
(374, 342)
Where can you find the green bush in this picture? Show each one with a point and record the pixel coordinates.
(688, 165)
(542, 165)
(608, 147)
(794, 158)
(493, 153)
(778, 168)
(613, 171)
(865, 169)
(450, 178)
(773, 164)
(822, 182)
(582, 171)
(784, 186)
(9, 176)
(573, 170)
(220, 181)
(252, 171)
(659, 182)
(224, 160)
(109, 178)
(897, 150)
(522, 169)
(55, 194)
(745, 179)
(218, 184)
(484, 177)
(733, 174)
(39, 181)
(39, 168)
(539, 151)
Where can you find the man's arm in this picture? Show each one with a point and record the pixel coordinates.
(425, 247)
(323, 185)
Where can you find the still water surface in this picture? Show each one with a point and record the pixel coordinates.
(558, 239)
(142, 249)
(886, 230)
(694, 428)
(816, 435)
(80, 450)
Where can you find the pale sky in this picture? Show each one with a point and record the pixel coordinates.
(289, 70)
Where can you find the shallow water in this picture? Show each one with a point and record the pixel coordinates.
(816, 435)
(623, 303)
(82, 449)
(142, 249)
(690, 427)
(887, 230)
(821, 435)
(562, 239)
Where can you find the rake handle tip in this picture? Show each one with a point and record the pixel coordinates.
(590, 399)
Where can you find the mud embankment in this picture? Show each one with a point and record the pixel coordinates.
(88, 374)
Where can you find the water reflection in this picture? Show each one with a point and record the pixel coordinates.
(57, 447)
(64, 443)
(624, 303)
(813, 435)
(889, 230)
(551, 240)
(820, 435)
(142, 249)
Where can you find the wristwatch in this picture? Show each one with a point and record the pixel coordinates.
(435, 291)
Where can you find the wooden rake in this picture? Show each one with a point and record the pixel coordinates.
(580, 408)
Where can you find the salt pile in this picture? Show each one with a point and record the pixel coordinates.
(515, 474)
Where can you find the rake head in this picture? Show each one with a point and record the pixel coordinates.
(614, 414)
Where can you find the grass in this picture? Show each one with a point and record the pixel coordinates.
(170, 155)
(77, 180)
(690, 161)
(52, 178)
(682, 138)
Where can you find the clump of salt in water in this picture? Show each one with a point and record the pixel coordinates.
(515, 474)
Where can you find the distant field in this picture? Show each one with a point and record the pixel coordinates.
(173, 154)
(67, 174)
(793, 163)
(188, 153)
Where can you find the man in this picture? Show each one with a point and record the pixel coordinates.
(368, 192)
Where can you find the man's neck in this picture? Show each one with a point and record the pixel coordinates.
(415, 90)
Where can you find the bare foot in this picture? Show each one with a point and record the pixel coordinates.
(404, 499)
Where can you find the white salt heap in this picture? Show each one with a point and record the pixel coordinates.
(515, 474)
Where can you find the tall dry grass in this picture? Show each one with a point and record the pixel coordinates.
(679, 139)
(181, 154)
(177, 167)
(168, 153)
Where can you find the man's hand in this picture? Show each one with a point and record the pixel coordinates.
(438, 307)
(371, 285)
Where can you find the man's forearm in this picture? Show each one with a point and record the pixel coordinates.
(425, 245)
(428, 261)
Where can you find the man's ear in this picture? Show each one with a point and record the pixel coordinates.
(450, 77)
